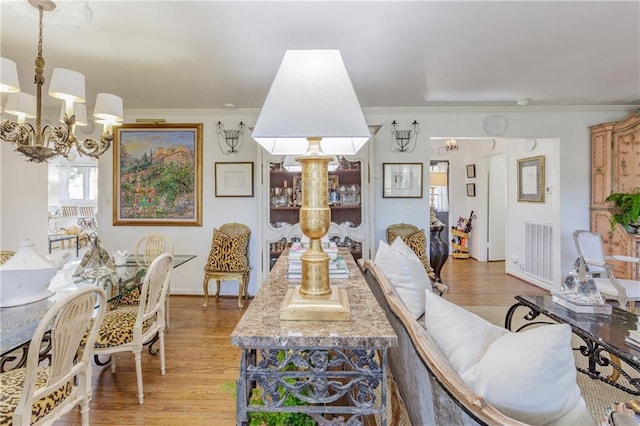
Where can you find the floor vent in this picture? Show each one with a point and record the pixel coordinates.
(538, 253)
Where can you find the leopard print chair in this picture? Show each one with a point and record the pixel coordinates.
(37, 394)
(146, 250)
(228, 260)
(126, 329)
(416, 239)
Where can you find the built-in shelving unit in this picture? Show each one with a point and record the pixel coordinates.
(350, 198)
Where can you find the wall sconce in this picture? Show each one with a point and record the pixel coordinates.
(233, 138)
(451, 145)
(404, 140)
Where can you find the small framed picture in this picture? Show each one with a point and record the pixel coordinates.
(471, 189)
(531, 179)
(234, 179)
(471, 170)
(402, 180)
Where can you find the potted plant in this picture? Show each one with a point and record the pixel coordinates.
(627, 213)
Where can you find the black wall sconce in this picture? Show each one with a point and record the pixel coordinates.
(404, 140)
(233, 139)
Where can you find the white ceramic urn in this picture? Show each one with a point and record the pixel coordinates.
(24, 278)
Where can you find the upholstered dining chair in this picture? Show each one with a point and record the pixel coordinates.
(228, 260)
(416, 239)
(39, 394)
(147, 248)
(150, 246)
(126, 329)
(625, 291)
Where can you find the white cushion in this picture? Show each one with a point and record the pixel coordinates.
(462, 336)
(406, 273)
(529, 376)
(631, 287)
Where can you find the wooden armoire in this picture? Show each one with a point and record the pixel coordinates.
(615, 167)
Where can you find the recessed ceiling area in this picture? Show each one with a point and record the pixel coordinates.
(206, 54)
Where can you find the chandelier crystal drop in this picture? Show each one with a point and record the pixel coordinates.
(40, 144)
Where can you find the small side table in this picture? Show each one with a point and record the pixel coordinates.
(54, 238)
(438, 250)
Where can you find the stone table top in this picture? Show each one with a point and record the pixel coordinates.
(261, 327)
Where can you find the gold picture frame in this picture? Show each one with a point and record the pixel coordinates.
(531, 178)
(157, 175)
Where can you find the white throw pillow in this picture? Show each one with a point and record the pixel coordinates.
(406, 274)
(529, 376)
(463, 337)
(419, 273)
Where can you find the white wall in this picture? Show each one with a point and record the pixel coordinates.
(23, 201)
(24, 185)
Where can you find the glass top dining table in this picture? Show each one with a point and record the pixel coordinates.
(18, 323)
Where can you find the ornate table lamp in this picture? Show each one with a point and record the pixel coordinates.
(312, 110)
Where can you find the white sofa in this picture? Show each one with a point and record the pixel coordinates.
(429, 388)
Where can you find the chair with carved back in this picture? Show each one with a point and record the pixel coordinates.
(228, 260)
(625, 291)
(126, 329)
(87, 218)
(37, 394)
(416, 239)
(151, 246)
(147, 248)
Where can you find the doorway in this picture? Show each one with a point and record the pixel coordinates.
(439, 193)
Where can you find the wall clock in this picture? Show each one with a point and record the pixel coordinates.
(495, 125)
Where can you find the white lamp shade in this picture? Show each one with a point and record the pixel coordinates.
(290, 164)
(67, 84)
(311, 96)
(437, 179)
(80, 111)
(108, 108)
(21, 104)
(8, 76)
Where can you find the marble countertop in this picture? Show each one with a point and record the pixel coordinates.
(261, 327)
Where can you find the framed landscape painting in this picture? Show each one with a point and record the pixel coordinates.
(157, 174)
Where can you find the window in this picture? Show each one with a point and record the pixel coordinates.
(75, 184)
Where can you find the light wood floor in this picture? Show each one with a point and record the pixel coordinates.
(202, 366)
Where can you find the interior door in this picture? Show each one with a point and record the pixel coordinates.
(497, 207)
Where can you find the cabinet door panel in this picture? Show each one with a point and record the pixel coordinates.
(614, 242)
(600, 168)
(626, 158)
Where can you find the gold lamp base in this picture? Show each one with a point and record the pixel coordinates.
(335, 307)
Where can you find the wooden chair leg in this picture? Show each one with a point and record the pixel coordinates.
(217, 289)
(205, 288)
(240, 291)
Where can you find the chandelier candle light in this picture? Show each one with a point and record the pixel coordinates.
(41, 144)
(312, 110)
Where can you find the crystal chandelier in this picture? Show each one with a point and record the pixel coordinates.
(39, 144)
(451, 145)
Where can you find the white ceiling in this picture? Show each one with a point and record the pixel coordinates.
(204, 54)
